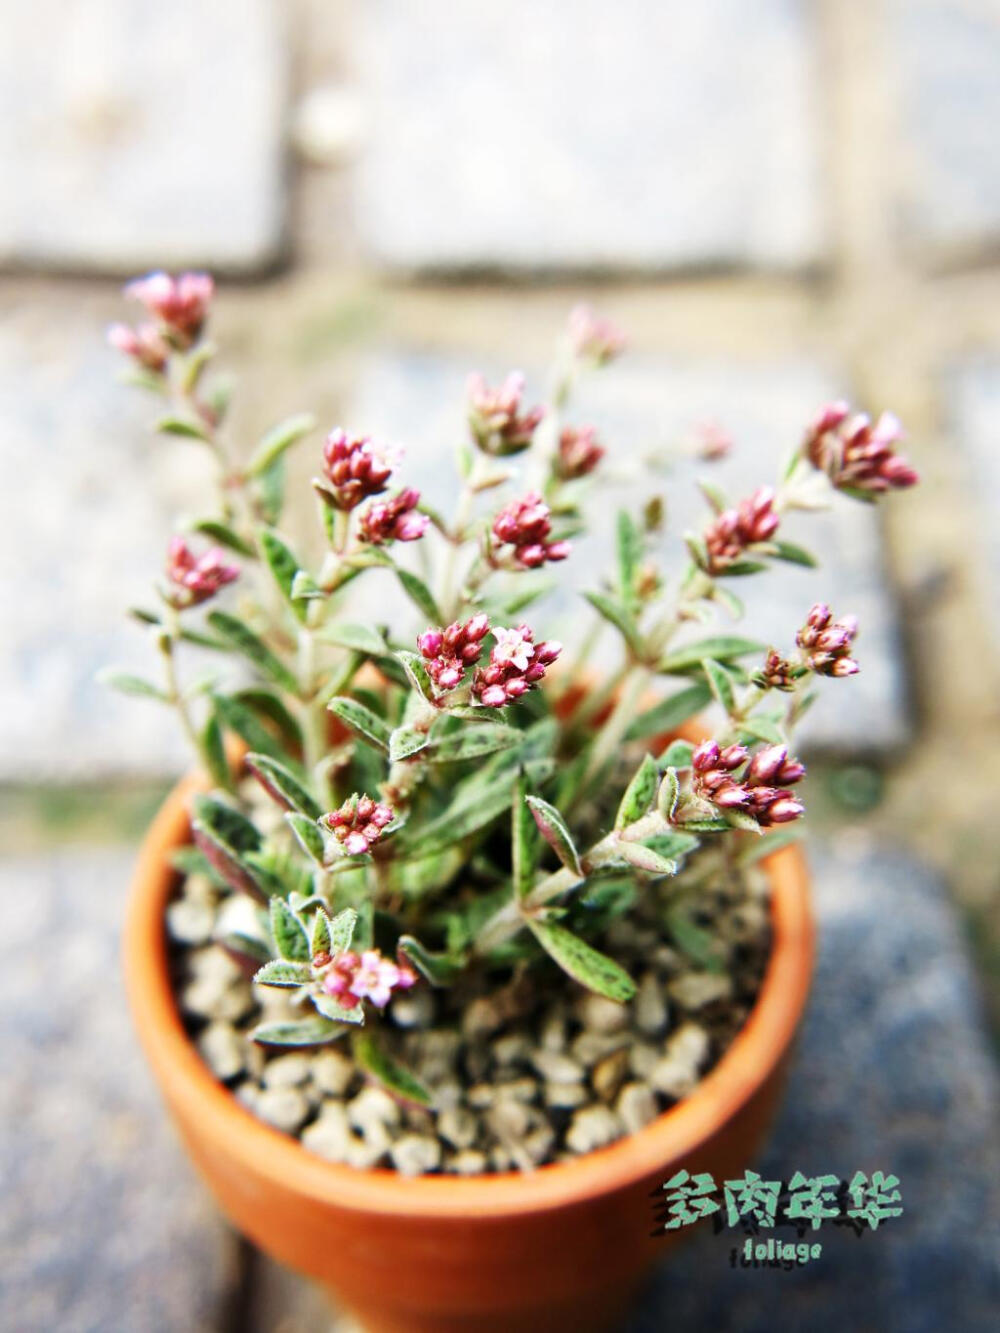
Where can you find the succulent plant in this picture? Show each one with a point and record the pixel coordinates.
(449, 794)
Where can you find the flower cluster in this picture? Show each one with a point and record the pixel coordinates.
(447, 653)
(179, 303)
(578, 453)
(759, 791)
(396, 519)
(496, 420)
(858, 456)
(777, 673)
(194, 579)
(516, 664)
(826, 643)
(732, 532)
(355, 468)
(526, 525)
(145, 345)
(350, 978)
(593, 336)
(359, 823)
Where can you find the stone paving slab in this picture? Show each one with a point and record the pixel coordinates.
(894, 1072)
(103, 1227)
(641, 409)
(947, 53)
(532, 136)
(84, 520)
(975, 420)
(135, 134)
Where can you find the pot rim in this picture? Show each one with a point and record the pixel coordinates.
(233, 1131)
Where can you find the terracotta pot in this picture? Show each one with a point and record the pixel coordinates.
(563, 1247)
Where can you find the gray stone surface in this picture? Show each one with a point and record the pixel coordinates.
(975, 422)
(103, 1225)
(530, 135)
(84, 519)
(947, 53)
(894, 1073)
(644, 409)
(135, 134)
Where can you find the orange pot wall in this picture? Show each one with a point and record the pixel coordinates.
(560, 1248)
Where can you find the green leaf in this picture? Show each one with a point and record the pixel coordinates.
(252, 646)
(416, 673)
(473, 810)
(618, 615)
(320, 939)
(707, 825)
(396, 1078)
(721, 648)
(282, 784)
(729, 600)
(215, 752)
(639, 794)
(226, 837)
(629, 556)
(795, 555)
(740, 568)
(523, 839)
(721, 683)
(677, 755)
(243, 945)
(672, 845)
(280, 973)
(406, 741)
(227, 822)
(694, 941)
(742, 820)
(342, 929)
(440, 969)
(270, 492)
(135, 686)
(224, 535)
(669, 713)
(290, 938)
(284, 567)
(361, 720)
(308, 836)
(553, 829)
(185, 427)
(584, 964)
(668, 795)
(191, 860)
(424, 874)
(329, 1008)
(305, 588)
(714, 495)
(310, 1032)
(472, 743)
(758, 728)
(420, 595)
(644, 858)
(359, 638)
(277, 440)
(243, 721)
(272, 709)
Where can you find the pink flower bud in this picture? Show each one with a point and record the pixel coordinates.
(516, 664)
(195, 579)
(355, 468)
(856, 455)
(359, 823)
(145, 345)
(181, 304)
(732, 532)
(526, 525)
(448, 653)
(496, 420)
(826, 643)
(578, 453)
(593, 336)
(393, 520)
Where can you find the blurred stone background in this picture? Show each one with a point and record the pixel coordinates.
(780, 201)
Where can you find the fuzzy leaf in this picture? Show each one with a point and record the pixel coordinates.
(278, 972)
(342, 929)
(330, 1008)
(359, 638)
(308, 836)
(629, 555)
(416, 673)
(361, 720)
(227, 862)
(472, 742)
(235, 716)
(224, 535)
(251, 645)
(290, 938)
(523, 839)
(406, 741)
(284, 567)
(721, 683)
(270, 492)
(795, 555)
(440, 969)
(672, 845)
(305, 588)
(666, 799)
(185, 427)
(759, 728)
(742, 820)
(320, 939)
(227, 823)
(394, 1077)
(741, 568)
(721, 648)
(639, 794)
(669, 713)
(420, 595)
(309, 1032)
(271, 709)
(215, 752)
(584, 964)
(277, 440)
(706, 825)
(553, 829)
(282, 784)
(423, 874)
(644, 858)
(473, 810)
(617, 615)
(125, 683)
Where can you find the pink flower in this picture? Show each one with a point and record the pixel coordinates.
(144, 344)
(526, 525)
(826, 643)
(729, 535)
(393, 520)
(350, 978)
(857, 456)
(578, 454)
(359, 823)
(498, 424)
(716, 780)
(448, 653)
(593, 336)
(196, 578)
(712, 442)
(355, 468)
(181, 303)
(516, 664)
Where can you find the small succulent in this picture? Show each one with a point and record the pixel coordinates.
(450, 794)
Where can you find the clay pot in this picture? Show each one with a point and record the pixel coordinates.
(561, 1248)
